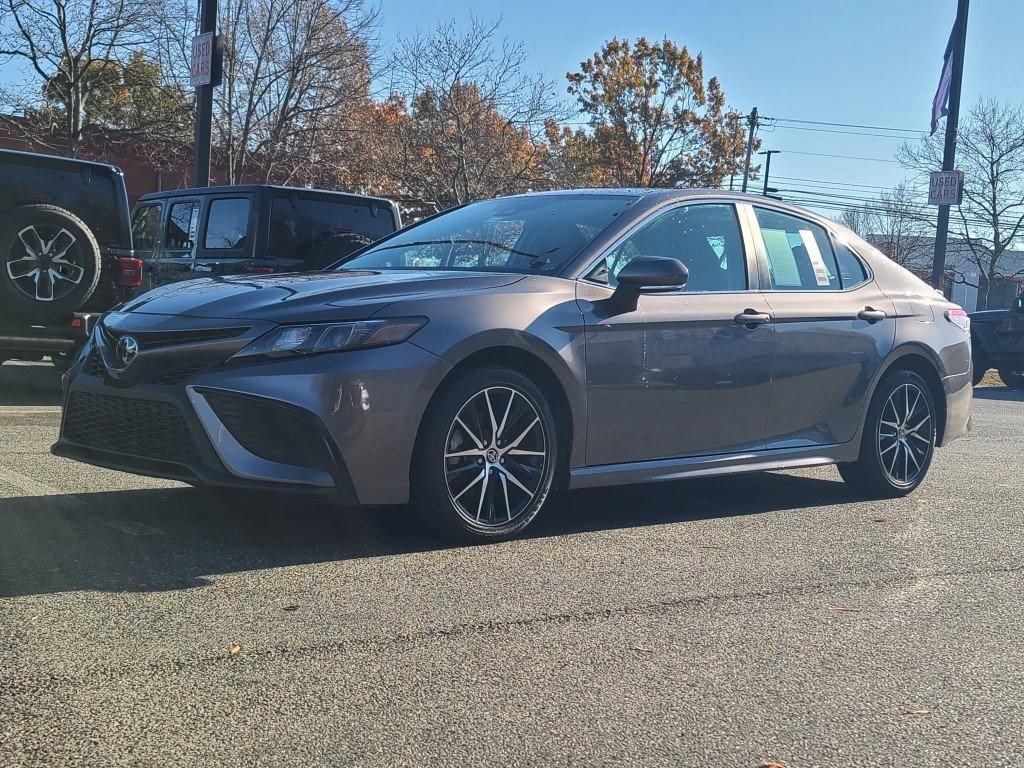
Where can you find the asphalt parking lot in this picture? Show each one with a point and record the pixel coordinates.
(718, 622)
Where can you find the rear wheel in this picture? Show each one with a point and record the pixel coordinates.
(1013, 378)
(486, 457)
(49, 263)
(898, 441)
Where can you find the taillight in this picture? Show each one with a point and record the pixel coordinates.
(76, 322)
(259, 270)
(129, 272)
(958, 317)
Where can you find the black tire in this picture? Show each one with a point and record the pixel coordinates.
(60, 236)
(873, 475)
(443, 486)
(980, 363)
(1012, 378)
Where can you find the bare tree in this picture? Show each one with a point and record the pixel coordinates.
(289, 66)
(69, 45)
(896, 223)
(474, 124)
(990, 151)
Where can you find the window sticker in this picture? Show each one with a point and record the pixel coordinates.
(783, 261)
(818, 263)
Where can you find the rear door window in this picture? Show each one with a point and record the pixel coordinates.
(799, 253)
(320, 232)
(182, 225)
(227, 224)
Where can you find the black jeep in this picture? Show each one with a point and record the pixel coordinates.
(260, 229)
(64, 231)
(997, 340)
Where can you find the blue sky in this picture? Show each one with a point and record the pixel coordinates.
(849, 61)
(865, 61)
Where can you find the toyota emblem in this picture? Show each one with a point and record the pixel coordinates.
(127, 349)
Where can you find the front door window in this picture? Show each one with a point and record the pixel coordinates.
(705, 237)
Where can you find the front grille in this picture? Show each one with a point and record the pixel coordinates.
(155, 339)
(145, 428)
(180, 374)
(272, 431)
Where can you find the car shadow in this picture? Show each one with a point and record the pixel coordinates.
(999, 393)
(29, 384)
(177, 538)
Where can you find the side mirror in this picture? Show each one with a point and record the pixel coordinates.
(648, 274)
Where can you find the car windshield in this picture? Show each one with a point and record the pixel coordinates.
(532, 233)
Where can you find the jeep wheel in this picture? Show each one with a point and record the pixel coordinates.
(1012, 378)
(49, 263)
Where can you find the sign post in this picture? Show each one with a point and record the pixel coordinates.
(204, 78)
(949, 150)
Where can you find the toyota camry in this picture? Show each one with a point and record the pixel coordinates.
(479, 360)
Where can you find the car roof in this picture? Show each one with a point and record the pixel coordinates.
(246, 188)
(54, 160)
(652, 197)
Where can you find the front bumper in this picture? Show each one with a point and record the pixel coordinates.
(362, 407)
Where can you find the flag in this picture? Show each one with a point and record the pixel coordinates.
(941, 100)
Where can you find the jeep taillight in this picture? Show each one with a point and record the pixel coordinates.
(129, 272)
(958, 317)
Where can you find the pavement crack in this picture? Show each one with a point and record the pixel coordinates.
(14, 686)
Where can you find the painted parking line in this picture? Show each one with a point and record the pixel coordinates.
(73, 503)
(22, 410)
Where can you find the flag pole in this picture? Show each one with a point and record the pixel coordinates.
(949, 151)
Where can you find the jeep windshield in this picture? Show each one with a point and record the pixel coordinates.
(535, 233)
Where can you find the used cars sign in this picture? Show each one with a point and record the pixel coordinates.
(202, 59)
(946, 188)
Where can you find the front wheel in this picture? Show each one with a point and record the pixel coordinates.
(486, 457)
(898, 440)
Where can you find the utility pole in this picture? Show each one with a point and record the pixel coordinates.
(949, 151)
(752, 122)
(204, 99)
(767, 167)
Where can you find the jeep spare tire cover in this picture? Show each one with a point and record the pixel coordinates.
(49, 263)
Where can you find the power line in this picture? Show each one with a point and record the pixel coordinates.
(845, 125)
(845, 157)
(828, 182)
(848, 133)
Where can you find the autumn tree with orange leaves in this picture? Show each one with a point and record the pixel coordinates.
(474, 126)
(654, 120)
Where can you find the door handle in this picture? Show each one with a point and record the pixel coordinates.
(752, 318)
(872, 315)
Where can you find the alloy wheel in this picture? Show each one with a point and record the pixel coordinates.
(905, 434)
(41, 269)
(495, 456)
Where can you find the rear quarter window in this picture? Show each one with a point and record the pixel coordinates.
(320, 232)
(851, 269)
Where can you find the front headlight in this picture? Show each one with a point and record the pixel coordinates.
(288, 340)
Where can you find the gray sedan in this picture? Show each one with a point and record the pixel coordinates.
(481, 359)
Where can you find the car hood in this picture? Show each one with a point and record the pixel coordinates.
(989, 315)
(319, 296)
